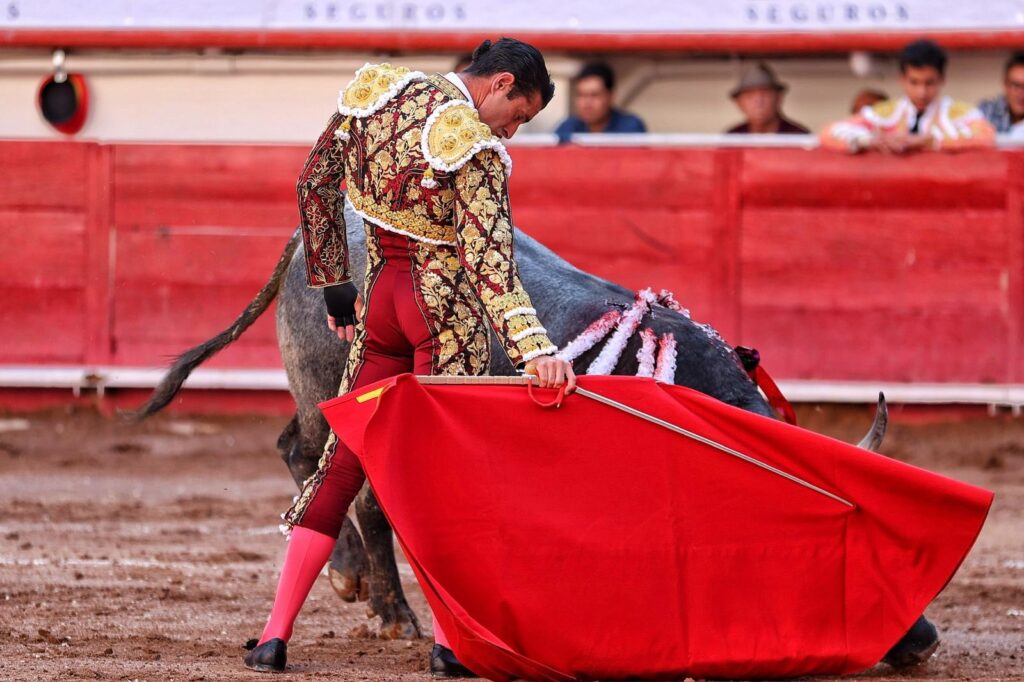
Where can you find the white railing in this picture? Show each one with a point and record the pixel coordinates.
(84, 379)
(697, 140)
(98, 379)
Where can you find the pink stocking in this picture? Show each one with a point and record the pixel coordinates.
(439, 637)
(305, 557)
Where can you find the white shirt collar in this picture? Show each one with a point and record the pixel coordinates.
(928, 114)
(457, 82)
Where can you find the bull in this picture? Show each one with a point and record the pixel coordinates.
(567, 299)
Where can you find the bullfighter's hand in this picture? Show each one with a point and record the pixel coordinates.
(887, 144)
(901, 143)
(552, 372)
(347, 332)
(918, 142)
(879, 143)
(344, 304)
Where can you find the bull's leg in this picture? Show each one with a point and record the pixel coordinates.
(349, 567)
(293, 449)
(387, 600)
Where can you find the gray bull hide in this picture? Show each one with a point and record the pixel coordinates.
(567, 300)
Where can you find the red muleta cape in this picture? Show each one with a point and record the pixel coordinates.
(585, 543)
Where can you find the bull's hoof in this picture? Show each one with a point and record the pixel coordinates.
(403, 630)
(915, 647)
(397, 619)
(350, 586)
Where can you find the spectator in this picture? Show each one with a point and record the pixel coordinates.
(867, 97)
(592, 91)
(759, 96)
(1006, 112)
(462, 62)
(921, 119)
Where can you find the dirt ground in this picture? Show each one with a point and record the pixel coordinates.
(150, 552)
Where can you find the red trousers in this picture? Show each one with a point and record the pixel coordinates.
(397, 340)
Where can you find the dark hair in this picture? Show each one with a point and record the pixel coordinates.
(923, 52)
(599, 69)
(463, 61)
(523, 61)
(1016, 59)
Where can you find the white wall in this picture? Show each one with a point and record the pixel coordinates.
(287, 98)
(692, 96)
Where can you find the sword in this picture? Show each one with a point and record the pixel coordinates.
(597, 397)
(707, 441)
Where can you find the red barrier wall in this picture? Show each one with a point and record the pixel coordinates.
(835, 268)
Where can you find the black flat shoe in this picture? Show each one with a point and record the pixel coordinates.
(269, 657)
(915, 647)
(444, 664)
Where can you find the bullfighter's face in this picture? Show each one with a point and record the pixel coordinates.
(503, 108)
(921, 84)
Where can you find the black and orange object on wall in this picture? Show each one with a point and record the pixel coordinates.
(64, 102)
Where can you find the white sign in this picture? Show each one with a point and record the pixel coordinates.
(497, 16)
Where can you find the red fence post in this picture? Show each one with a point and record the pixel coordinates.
(99, 269)
(727, 201)
(1014, 279)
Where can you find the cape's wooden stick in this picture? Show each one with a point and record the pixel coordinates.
(520, 380)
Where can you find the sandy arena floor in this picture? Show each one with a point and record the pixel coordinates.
(150, 552)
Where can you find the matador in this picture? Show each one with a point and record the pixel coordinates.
(423, 165)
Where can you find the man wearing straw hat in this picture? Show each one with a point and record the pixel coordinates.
(759, 96)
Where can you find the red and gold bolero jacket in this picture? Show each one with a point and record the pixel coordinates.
(417, 160)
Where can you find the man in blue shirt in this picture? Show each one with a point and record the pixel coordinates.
(1006, 112)
(592, 102)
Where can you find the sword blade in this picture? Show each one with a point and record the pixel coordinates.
(711, 443)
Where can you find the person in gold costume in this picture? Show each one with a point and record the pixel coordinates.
(923, 119)
(423, 164)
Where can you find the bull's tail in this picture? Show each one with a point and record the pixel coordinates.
(193, 357)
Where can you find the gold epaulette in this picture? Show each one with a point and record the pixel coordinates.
(885, 108)
(374, 86)
(959, 109)
(454, 133)
(887, 112)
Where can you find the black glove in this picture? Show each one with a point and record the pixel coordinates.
(341, 303)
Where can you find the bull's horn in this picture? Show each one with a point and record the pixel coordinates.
(873, 440)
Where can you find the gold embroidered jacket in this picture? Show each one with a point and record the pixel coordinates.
(950, 125)
(417, 160)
